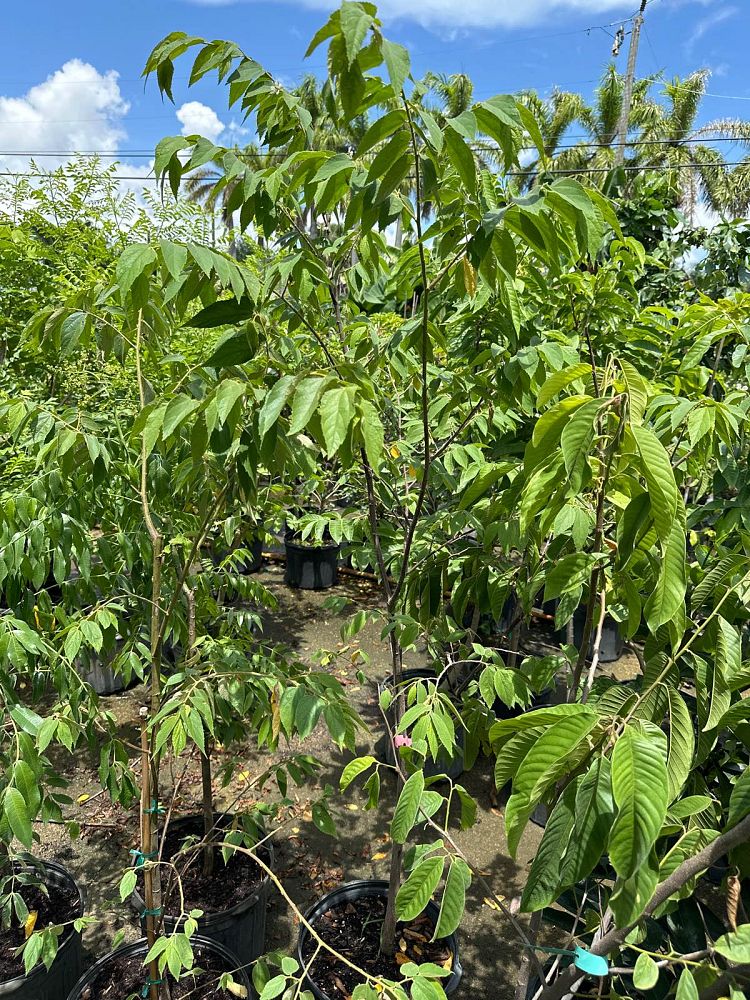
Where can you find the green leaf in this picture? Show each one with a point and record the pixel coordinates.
(547, 761)
(417, 891)
(233, 348)
(593, 814)
(739, 800)
(454, 898)
(381, 129)
(668, 595)
(355, 22)
(306, 398)
(229, 392)
(543, 882)
(178, 410)
(637, 391)
(461, 157)
(17, 815)
(559, 380)
(174, 256)
(323, 820)
(681, 742)
(660, 481)
(405, 813)
(373, 435)
(127, 884)
(353, 769)
(226, 312)
(686, 986)
(336, 413)
(645, 973)
(576, 440)
(135, 260)
(735, 946)
(397, 61)
(639, 785)
(569, 574)
(274, 403)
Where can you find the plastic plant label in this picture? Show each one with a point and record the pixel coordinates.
(594, 965)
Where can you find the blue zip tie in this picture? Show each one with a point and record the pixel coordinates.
(141, 858)
(155, 912)
(154, 808)
(148, 984)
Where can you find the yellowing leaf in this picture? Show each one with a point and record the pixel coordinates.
(379, 856)
(82, 798)
(394, 451)
(30, 924)
(237, 990)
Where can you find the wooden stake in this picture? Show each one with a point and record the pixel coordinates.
(146, 849)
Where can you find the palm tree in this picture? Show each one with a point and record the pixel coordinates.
(674, 141)
(206, 186)
(662, 134)
(596, 150)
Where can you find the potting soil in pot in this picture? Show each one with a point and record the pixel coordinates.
(59, 905)
(229, 883)
(126, 975)
(353, 929)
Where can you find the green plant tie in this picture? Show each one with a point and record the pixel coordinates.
(154, 808)
(148, 984)
(155, 912)
(593, 965)
(141, 858)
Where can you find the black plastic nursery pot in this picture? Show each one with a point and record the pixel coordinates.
(240, 928)
(41, 984)
(453, 767)
(611, 645)
(350, 893)
(82, 989)
(311, 567)
(255, 563)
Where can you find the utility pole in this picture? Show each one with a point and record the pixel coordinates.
(627, 94)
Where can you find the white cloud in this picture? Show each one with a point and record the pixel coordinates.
(468, 13)
(77, 108)
(706, 24)
(199, 119)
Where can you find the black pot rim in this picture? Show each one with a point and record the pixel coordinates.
(139, 904)
(370, 887)
(304, 547)
(40, 970)
(141, 947)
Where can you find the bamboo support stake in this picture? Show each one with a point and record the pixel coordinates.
(146, 849)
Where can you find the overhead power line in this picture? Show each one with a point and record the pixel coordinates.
(629, 168)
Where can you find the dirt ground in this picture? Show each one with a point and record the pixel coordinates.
(308, 862)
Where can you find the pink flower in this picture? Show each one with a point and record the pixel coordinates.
(401, 741)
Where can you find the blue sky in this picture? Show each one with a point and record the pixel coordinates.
(70, 69)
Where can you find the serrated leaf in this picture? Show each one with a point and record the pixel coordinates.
(135, 260)
(306, 398)
(397, 61)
